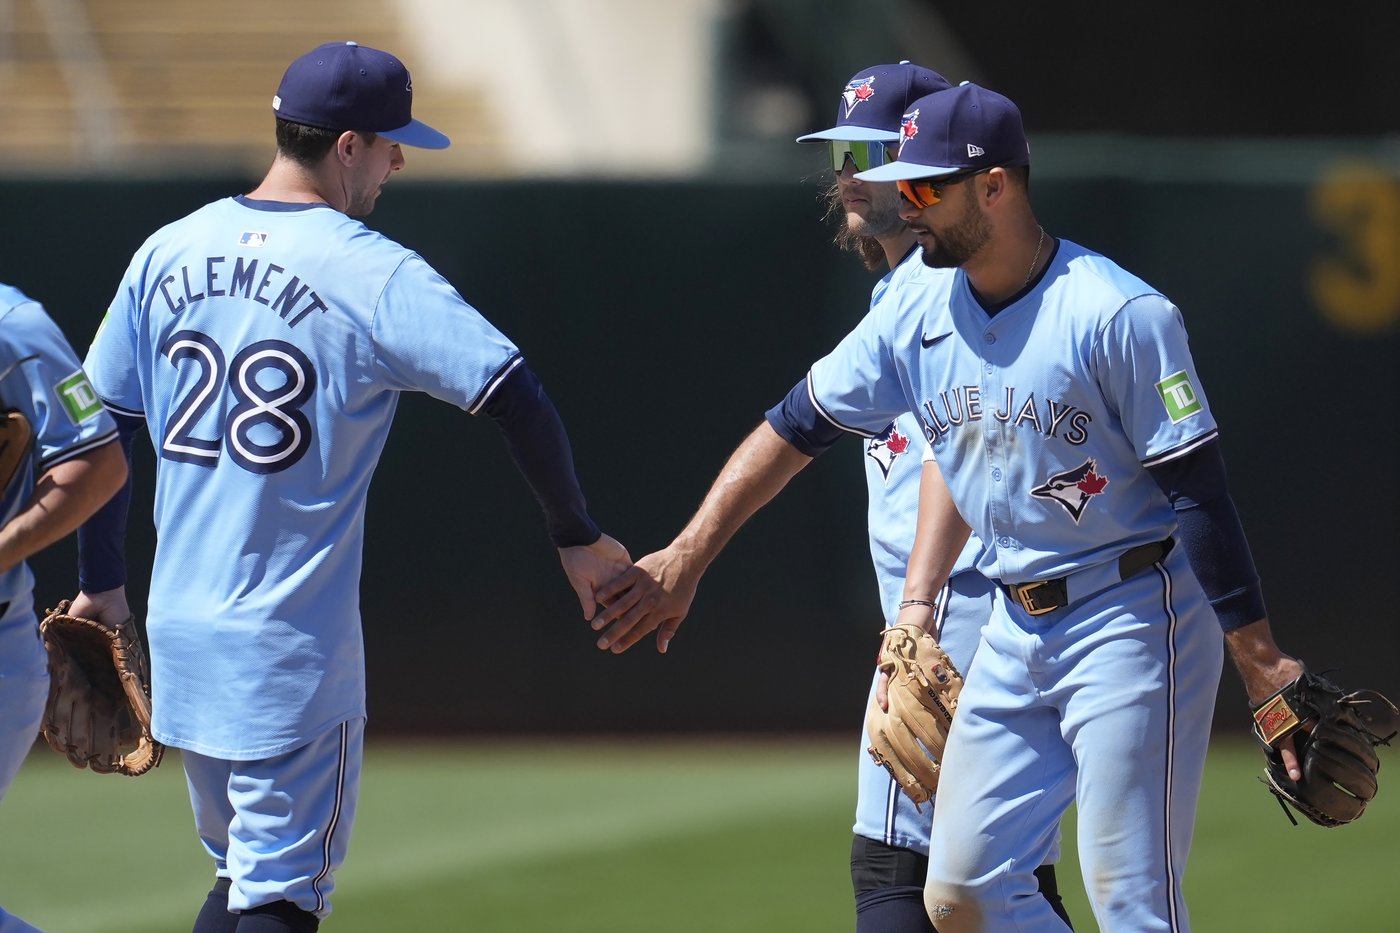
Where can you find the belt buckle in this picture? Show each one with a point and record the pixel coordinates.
(1024, 593)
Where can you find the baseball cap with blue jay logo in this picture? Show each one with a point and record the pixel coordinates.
(963, 129)
(875, 98)
(348, 86)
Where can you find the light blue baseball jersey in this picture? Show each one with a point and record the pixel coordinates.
(266, 345)
(1044, 419)
(1045, 454)
(44, 381)
(893, 468)
(39, 377)
(893, 464)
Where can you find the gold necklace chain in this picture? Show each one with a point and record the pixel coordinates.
(1038, 244)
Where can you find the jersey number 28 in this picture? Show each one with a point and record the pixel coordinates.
(272, 415)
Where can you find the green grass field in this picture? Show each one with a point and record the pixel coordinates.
(629, 836)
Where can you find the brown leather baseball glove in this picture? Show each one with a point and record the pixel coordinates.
(16, 434)
(908, 738)
(99, 707)
(1335, 735)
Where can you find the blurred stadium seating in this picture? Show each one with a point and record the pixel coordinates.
(640, 89)
(132, 87)
(127, 86)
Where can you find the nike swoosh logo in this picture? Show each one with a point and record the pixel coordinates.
(928, 341)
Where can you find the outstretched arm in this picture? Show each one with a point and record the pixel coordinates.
(64, 497)
(656, 594)
(535, 437)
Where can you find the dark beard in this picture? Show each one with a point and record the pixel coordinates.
(960, 242)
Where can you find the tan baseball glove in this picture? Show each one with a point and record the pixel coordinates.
(908, 738)
(99, 707)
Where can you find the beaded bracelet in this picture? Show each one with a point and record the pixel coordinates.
(917, 602)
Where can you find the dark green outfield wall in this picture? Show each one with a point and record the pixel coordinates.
(664, 318)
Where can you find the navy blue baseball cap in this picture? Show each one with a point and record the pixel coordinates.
(963, 129)
(348, 86)
(874, 100)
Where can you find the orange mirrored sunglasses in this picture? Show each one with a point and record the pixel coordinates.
(926, 192)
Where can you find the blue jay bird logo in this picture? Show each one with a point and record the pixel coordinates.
(1074, 488)
(908, 128)
(885, 447)
(858, 91)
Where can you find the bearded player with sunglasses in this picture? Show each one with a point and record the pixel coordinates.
(1069, 432)
(889, 853)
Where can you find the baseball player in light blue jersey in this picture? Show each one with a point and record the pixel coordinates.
(1069, 428)
(889, 854)
(70, 464)
(264, 341)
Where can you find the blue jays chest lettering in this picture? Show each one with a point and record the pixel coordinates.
(963, 408)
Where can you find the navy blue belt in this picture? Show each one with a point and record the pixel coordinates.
(1041, 596)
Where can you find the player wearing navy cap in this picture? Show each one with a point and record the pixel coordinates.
(889, 853)
(1067, 425)
(70, 464)
(344, 84)
(264, 341)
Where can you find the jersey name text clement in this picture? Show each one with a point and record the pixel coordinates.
(279, 290)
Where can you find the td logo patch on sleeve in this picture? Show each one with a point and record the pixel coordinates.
(1179, 396)
(78, 398)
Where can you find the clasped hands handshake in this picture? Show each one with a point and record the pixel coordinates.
(627, 601)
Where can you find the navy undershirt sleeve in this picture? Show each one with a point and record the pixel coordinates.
(1212, 534)
(537, 442)
(796, 420)
(102, 538)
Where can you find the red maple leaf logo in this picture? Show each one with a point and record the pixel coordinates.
(865, 92)
(1092, 484)
(897, 443)
(908, 128)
